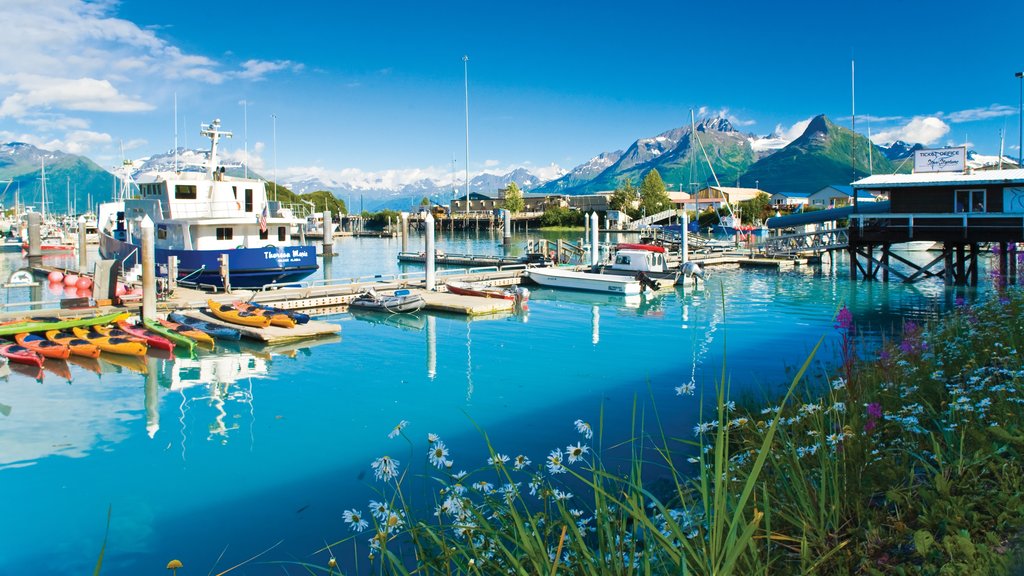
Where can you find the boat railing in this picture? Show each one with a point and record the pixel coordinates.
(224, 209)
(134, 252)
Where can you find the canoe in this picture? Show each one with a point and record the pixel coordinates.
(276, 318)
(18, 354)
(229, 313)
(486, 291)
(209, 328)
(299, 317)
(112, 343)
(401, 302)
(42, 346)
(184, 335)
(78, 346)
(152, 340)
(43, 325)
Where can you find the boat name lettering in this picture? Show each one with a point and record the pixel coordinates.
(285, 254)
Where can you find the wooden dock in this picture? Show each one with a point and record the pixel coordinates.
(460, 259)
(466, 305)
(272, 334)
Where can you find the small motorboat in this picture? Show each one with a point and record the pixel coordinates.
(18, 354)
(276, 318)
(229, 313)
(114, 344)
(42, 346)
(299, 317)
(152, 340)
(78, 346)
(402, 302)
(209, 328)
(606, 283)
(486, 291)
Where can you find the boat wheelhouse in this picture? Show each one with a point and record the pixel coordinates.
(199, 217)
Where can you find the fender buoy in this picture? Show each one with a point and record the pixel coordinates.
(70, 279)
(83, 283)
(55, 276)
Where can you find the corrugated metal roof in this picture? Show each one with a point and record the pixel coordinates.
(1015, 176)
(819, 216)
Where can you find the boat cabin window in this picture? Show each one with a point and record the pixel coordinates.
(280, 233)
(622, 260)
(248, 200)
(161, 232)
(970, 201)
(264, 233)
(225, 233)
(184, 192)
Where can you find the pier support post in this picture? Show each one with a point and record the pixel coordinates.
(151, 396)
(586, 225)
(35, 250)
(172, 272)
(328, 235)
(428, 250)
(405, 231)
(83, 259)
(595, 246)
(684, 241)
(225, 272)
(506, 237)
(148, 268)
(431, 347)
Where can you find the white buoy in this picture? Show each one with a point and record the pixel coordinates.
(428, 252)
(148, 268)
(595, 247)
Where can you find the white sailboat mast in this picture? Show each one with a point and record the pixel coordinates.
(42, 179)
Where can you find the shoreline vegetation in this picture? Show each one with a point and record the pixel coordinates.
(906, 461)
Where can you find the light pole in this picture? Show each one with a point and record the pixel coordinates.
(465, 69)
(1020, 121)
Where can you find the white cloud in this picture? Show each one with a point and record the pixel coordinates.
(921, 129)
(82, 94)
(780, 137)
(491, 163)
(258, 69)
(706, 112)
(78, 141)
(974, 114)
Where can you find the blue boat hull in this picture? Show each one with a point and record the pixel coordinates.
(249, 267)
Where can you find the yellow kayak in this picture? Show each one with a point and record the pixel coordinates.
(111, 343)
(228, 313)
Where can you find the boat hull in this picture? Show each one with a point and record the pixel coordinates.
(605, 283)
(249, 267)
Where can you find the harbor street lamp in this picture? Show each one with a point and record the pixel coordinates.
(1020, 121)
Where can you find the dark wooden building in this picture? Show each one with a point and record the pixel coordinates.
(963, 211)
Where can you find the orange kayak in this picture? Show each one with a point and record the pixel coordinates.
(114, 344)
(42, 346)
(78, 346)
(276, 318)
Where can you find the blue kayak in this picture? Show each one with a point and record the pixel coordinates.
(299, 317)
(215, 330)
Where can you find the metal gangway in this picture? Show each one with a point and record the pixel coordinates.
(648, 220)
(806, 242)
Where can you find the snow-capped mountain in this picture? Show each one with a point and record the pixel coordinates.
(899, 150)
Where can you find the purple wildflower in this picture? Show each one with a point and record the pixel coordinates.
(875, 410)
(844, 319)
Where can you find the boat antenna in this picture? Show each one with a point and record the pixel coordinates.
(213, 131)
(42, 179)
(175, 134)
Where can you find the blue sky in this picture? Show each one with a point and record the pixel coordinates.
(374, 90)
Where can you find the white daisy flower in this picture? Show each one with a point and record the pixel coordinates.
(355, 520)
(555, 465)
(385, 468)
(438, 454)
(497, 458)
(521, 462)
(584, 428)
(576, 452)
(398, 428)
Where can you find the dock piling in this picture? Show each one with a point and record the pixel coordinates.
(225, 272)
(428, 251)
(405, 231)
(172, 272)
(506, 239)
(35, 250)
(328, 235)
(595, 246)
(148, 268)
(83, 260)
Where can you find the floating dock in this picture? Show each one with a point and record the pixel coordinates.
(466, 305)
(272, 334)
(460, 259)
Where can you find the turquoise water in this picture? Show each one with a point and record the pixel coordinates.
(231, 452)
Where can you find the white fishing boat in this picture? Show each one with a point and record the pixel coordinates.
(649, 259)
(201, 216)
(590, 281)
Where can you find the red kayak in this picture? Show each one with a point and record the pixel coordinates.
(153, 340)
(648, 247)
(21, 355)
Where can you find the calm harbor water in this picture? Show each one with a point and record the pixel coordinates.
(230, 452)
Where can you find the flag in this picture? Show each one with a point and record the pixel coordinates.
(263, 220)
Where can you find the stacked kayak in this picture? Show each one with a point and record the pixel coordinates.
(42, 346)
(78, 346)
(277, 318)
(229, 313)
(298, 317)
(152, 340)
(112, 343)
(181, 334)
(21, 355)
(209, 328)
(44, 324)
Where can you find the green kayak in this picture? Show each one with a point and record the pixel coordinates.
(57, 324)
(178, 339)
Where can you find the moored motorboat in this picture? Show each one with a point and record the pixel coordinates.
(201, 217)
(208, 328)
(18, 354)
(42, 346)
(229, 313)
(78, 346)
(647, 259)
(401, 302)
(590, 281)
(112, 344)
(487, 291)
